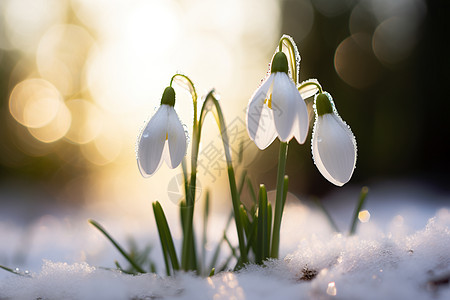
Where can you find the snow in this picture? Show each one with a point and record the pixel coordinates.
(402, 252)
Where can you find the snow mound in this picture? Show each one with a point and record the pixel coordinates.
(370, 265)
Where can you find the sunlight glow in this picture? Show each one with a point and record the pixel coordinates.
(26, 20)
(89, 73)
(126, 70)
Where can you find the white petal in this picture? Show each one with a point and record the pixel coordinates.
(259, 118)
(334, 149)
(266, 130)
(301, 125)
(284, 105)
(176, 138)
(151, 142)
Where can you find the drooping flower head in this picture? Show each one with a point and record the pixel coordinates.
(162, 137)
(277, 108)
(333, 143)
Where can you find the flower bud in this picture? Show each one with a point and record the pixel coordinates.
(279, 63)
(168, 96)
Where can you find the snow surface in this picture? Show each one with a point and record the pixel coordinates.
(389, 258)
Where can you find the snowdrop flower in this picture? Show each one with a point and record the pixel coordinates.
(277, 108)
(333, 143)
(163, 136)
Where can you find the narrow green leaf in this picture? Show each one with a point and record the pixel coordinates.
(242, 182)
(119, 267)
(205, 226)
(252, 191)
(118, 247)
(269, 228)
(218, 246)
(14, 271)
(233, 250)
(162, 222)
(162, 238)
(245, 220)
(251, 242)
(326, 213)
(261, 237)
(359, 206)
(213, 270)
(153, 267)
(241, 151)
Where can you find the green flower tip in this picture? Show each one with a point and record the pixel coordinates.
(279, 63)
(168, 96)
(323, 105)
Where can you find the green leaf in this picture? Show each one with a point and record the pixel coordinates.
(359, 206)
(165, 236)
(15, 272)
(205, 226)
(326, 213)
(118, 247)
(262, 241)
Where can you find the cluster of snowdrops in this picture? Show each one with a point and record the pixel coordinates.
(280, 107)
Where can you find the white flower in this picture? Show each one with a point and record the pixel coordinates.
(162, 137)
(333, 143)
(277, 108)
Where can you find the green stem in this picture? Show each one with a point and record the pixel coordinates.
(279, 199)
(191, 87)
(319, 87)
(292, 54)
(188, 254)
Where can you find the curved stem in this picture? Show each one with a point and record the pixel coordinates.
(307, 83)
(279, 203)
(190, 87)
(292, 48)
(188, 253)
(231, 176)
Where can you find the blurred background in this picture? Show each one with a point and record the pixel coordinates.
(78, 79)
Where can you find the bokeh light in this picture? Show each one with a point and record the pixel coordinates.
(34, 102)
(86, 121)
(83, 76)
(56, 128)
(364, 216)
(26, 20)
(393, 40)
(61, 55)
(355, 62)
